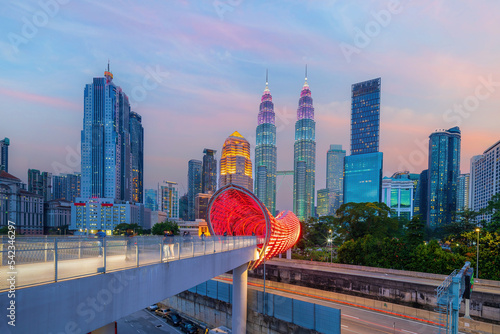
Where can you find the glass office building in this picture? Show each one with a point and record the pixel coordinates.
(363, 178)
(363, 168)
(397, 193)
(194, 185)
(235, 163)
(304, 156)
(444, 169)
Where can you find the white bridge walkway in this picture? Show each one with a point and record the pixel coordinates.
(76, 285)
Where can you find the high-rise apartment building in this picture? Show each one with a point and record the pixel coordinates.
(209, 171)
(265, 152)
(463, 183)
(444, 169)
(66, 187)
(40, 183)
(4, 154)
(485, 179)
(235, 163)
(363, 168)
(137, 152)
(194, 185)
(335, 175)
(304, 156)
(422, 199)
(169, 199)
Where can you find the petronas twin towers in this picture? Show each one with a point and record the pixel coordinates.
(304, 154)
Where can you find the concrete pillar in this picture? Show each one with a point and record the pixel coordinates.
(107, 329)
(240, 279)
(289, 254)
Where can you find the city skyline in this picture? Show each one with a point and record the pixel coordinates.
(212, 85)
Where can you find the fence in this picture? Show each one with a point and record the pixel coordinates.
(308, 315)
(38, 260)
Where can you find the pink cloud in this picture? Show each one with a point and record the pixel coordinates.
(46, 100)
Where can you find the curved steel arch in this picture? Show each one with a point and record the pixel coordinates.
(236, 210)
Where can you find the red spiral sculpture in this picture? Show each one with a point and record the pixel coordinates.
(236, 211)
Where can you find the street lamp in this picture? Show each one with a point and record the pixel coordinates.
(330, 242)
(477, 253)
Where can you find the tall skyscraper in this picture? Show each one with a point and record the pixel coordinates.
(363, 168)
(304, 157)
(169, 199)
(463, 192)
(444, 169)
(209, 171)
(137, 152)
(40, 183)
(485, 179)
(194, 185)
(4, 154)
(335, 175)
(151, 199)
(265, 152)
(106, 157)
(106, 182)
(235, 163)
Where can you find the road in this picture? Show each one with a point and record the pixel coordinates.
(353, 319)
(144, 322)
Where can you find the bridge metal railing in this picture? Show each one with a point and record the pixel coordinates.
(41, 260)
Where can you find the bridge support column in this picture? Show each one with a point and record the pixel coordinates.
(240, 280)
(289, 254)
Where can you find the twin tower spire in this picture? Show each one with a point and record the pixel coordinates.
(304, 154)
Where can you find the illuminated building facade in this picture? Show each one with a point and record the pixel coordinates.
(209, 171)
(235, 163)
(234, 210)
(265, 152)
(107, 195)
(66, 186)
(40, 183)
(363, 168)
(169, 199)
(444, 169)
(106, 156)
(304, 158)
(137, 152)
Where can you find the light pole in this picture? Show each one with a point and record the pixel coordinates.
(477, 253)
(330, 242)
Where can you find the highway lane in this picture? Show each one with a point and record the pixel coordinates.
(480, 287)
(354, 320)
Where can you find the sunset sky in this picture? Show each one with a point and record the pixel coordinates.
(195, 71)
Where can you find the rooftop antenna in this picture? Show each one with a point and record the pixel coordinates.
(306, 72)
(108, 66)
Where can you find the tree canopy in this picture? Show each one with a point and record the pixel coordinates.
(167, 225)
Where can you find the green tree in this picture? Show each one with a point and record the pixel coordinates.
(493, 208)
(415, 231)
(356, 220)
(167, 225)
(125, 228)
(4, 230)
